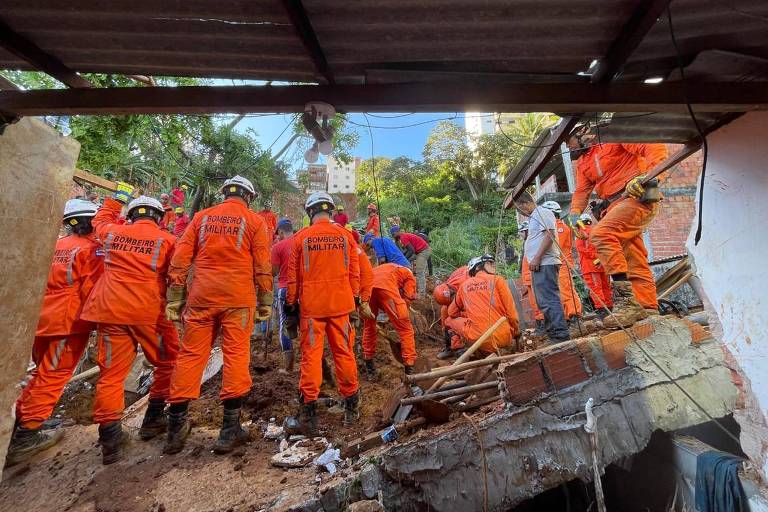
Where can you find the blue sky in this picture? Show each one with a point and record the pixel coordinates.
(393, 134)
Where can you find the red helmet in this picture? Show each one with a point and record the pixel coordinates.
(372, 207)
(443, 294)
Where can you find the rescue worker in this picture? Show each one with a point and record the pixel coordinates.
(61, 336)
(444, 294)
(626, 208)
(178, 195)
(373, 225)
(281, 254)
(394, 287)
(127, 303)
(354, 232)
(417, 251)
(228, 246)
(480, 301)
(544, 263)
(323, 289)
(525, 274)
(269, 217)
(385, 250)
(592, 271)
(569, 297)
(169, 217)
(181, 222)
(340, 217)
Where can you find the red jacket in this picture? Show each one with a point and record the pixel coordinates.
(324, 271)
(587, 253)
(228, 245)
(131, 291)
(180, 224)
(78, 262)
(607, 168)
(341, 218)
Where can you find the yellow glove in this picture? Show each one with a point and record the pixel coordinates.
(123, 193)
(365, 311)
(596, 262)
(176, 298)
(635, 188)
(264, 309)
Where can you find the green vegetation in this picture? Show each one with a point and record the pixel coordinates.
(453, 193)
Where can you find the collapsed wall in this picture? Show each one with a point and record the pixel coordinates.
(530, 447)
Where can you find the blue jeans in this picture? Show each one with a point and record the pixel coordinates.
(547, 294)
(286, 333)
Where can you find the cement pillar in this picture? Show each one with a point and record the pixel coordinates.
(36, 168)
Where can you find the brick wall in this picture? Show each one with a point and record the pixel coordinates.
(669, 231)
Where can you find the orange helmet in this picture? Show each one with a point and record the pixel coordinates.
(443, 294)
(372, 207)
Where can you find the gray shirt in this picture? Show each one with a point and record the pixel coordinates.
(541, 221)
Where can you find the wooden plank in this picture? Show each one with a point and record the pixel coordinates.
(92, 179)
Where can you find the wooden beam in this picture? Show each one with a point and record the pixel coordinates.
(92, 179)
(7, 85)
(630, 36)
(418, 97)
(550, 147)
(26, 50)
(306, 33)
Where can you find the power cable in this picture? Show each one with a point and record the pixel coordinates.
(290, 123)
(702, 136)
(369, 126)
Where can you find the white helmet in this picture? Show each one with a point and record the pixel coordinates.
(79, 208)
(585, 217)
(523, 226)
(318, 198)
(145, 205)
(474, 263)
(230, 185)
(553, 206)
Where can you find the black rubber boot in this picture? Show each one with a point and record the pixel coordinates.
(111, 438)
(232, 433)
(178, 428)
(351, 410)
(305, 423)
(371, 374)
(155, 420)
(446, 353)
(28, 441)
(408, 369)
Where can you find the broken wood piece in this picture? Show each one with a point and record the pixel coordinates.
(677, 284)
(471, 350)
(444, 394)
(678, 267)
(374, 439)
(90, 372)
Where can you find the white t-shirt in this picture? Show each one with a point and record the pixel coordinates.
(540, 221)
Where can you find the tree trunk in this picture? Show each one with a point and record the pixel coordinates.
(197, 200)
(472, 189)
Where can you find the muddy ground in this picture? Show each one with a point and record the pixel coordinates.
(71, 477)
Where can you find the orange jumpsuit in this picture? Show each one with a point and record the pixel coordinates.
(61, 337)
(594, 275)
(366, 275)
(569, 297)
(393, 287)
(128, 303)
(270, 219)
(373, 225)
(618, 236)
(525, 273)
(228, 245)
(444, 294)
(480, 302)
(324, 278)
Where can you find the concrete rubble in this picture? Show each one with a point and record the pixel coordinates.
(537, 441)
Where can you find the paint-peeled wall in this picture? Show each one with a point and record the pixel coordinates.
(732, 262)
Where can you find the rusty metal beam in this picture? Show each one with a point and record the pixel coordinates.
(630, 37)
(26, 50)
(306, 33)
(582, 97)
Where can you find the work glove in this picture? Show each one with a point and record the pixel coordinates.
(574, 222)
(365, 311)
(635, 187)
(264, 308)
(596, 262)
(123, 193)
(175, 296)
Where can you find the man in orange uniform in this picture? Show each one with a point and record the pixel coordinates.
(592, 271)
(228, 245)
(372, 226)
(568, 295)
(269, 217)
(324, 287)
(525, 274)
(393, 288)
(61, 337)
(127, 302)
(169, 217)
(480, 302)
(444, 294)
(611, 170)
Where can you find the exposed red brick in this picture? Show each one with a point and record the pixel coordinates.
(643, 330)
(585, 347)
(565, 368)
(525, 381)
(698, 332)
(613, 349)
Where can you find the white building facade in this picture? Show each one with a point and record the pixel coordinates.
(341, 176)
